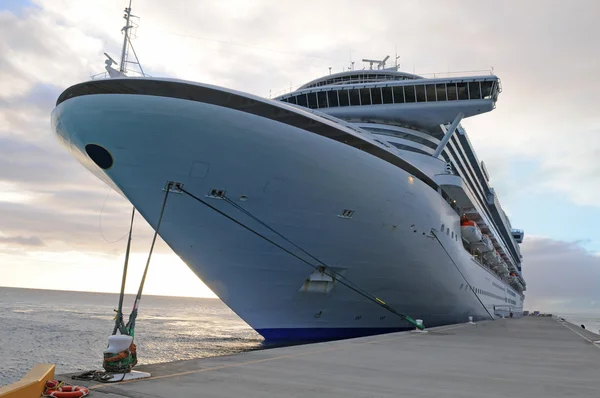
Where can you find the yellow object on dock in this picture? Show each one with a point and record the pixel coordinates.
(31, 385)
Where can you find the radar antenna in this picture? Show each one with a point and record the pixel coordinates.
(379, 63)
(112, 72)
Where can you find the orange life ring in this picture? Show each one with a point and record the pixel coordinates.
(58, 390)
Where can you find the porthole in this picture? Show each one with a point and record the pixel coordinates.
(99, 155)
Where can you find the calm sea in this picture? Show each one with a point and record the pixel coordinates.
(70, 329)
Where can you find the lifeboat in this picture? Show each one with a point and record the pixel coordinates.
(502, 269)
(470, 231)
(514, 281)
(486, 244)
(492, 257)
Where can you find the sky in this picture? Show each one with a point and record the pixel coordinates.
(61, 228)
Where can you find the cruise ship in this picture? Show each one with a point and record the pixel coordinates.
(348, 207)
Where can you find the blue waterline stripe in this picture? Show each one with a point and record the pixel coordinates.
(321, 334)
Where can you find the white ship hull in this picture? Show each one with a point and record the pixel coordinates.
(298, 182)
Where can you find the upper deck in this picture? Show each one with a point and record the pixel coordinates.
(360, 77)
(398, 97)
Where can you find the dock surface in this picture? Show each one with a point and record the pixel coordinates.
(526, 357)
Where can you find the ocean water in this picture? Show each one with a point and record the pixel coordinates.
(70, 329)
(590, 321)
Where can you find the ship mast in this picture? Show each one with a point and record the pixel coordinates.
(127, 31)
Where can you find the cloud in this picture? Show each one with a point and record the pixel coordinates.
(546, 118)
(22, 240)
(561, 276)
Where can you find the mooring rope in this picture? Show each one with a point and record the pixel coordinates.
(119, 325)
(332, 274)
(461, 274)
(132, 317)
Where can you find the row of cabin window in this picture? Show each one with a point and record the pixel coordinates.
(405, 136)
(408, 148)
(498, 286)
(486, 293)
(394, 95)
(361, 78)
(454, 236)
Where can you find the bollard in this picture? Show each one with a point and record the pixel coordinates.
(420, 323)
(471, 321)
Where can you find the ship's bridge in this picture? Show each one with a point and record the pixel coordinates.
(410, 99)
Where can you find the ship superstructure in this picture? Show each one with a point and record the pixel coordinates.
(419, 117)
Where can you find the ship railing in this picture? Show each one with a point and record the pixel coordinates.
(101, 75)
(281, 92)
(435, 75)
(360, 79)
(128, 73)
(465, 73)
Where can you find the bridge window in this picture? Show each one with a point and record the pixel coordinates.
(388, 98)
(463, 94)
(332, 97)
(354, 97)
(302, 100)
(376, 95)
(451, 91)
(430, 92)
(486, 89)
(322, 99)
(474, 91)
(365, 96)
(420, 91)
(441, 92)
(312, 100)
(409, 94)
(344, 97)
(398, 94)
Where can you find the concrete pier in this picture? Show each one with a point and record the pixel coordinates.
(526, 357)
